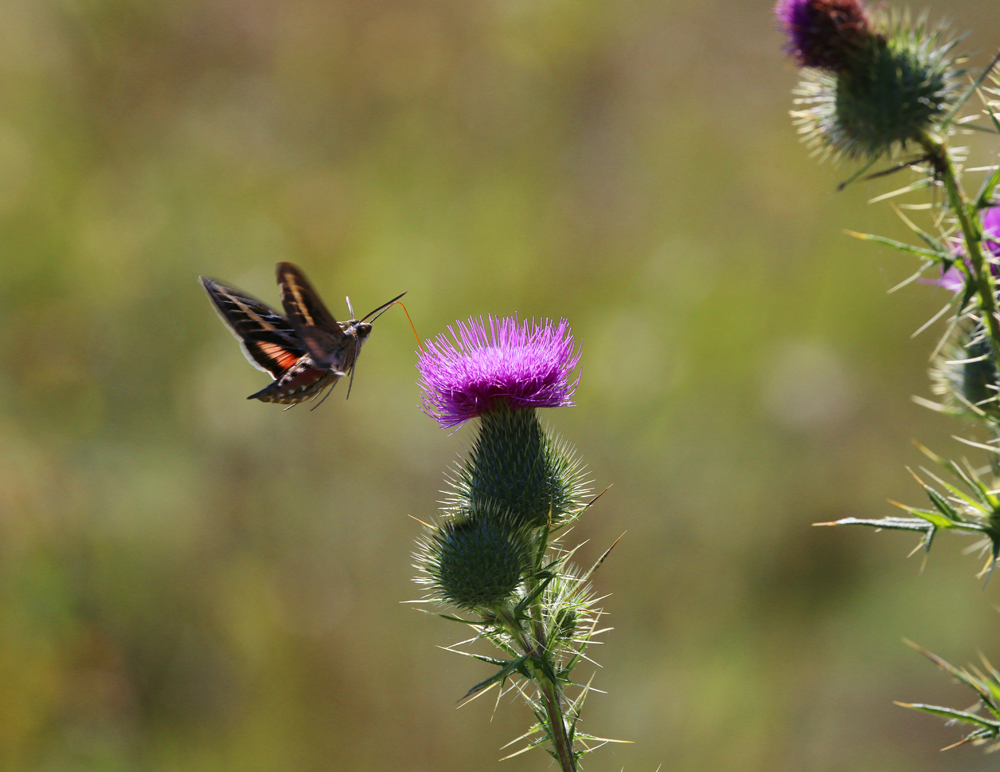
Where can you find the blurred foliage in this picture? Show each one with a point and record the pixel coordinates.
(190, 581)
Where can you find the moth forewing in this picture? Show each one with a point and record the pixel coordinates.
(301, 302)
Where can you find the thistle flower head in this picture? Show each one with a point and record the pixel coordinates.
(511, 364)
(823, 34)
(990, 218)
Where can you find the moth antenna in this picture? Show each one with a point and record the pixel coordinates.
(349, 308)
(373, 315)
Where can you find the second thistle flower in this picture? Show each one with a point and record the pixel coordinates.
(823, 34)
(870, 86)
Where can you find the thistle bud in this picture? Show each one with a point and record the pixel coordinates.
(518, 467)
(866, 91)
(476, 560)
(565, 620)
(964, 375)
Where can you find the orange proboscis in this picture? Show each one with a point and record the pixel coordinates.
(419, 344)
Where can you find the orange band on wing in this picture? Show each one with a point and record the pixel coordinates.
(281, 356)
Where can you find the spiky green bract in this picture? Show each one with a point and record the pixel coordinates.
(984, 718)
(898, 89)
(520, 467)
(965, 377)
(546, 634)
(971, 505)
(569, 601)
(476, 560)
(565, 622)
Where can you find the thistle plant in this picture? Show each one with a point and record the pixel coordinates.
(881, 88)
(494, 554)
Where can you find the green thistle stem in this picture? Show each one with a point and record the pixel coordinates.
(535, 645)
(972, 234)
(550, 693)
(560, 738)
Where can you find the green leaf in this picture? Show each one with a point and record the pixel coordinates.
(934, 518)
(983, 129)
(993, 703)
(450, 618)
(939, 520)
(501, 663)
(989, 184)
(543, 542)
(943, 505)
(988, 691)
(956, 491)
(507, 669)
(889, 523)
(937, 255)
(545, 666)
(941, 252)
(960, 103)
(858, 173)
(600, 560)
(954, 715)
(533, 595)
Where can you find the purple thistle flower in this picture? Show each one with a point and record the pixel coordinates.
(990, 218)
(823, 34)
(953, 279)
(514, 365)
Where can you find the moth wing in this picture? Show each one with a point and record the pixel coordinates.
(272, 358)
(301, 302)
(267, 338)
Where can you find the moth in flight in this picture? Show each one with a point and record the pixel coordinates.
(306, 350)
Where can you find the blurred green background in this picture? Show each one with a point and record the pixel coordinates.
(191, 581)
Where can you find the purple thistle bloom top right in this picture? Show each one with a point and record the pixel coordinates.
(513, 364)
(953, 279)
(823, 34)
